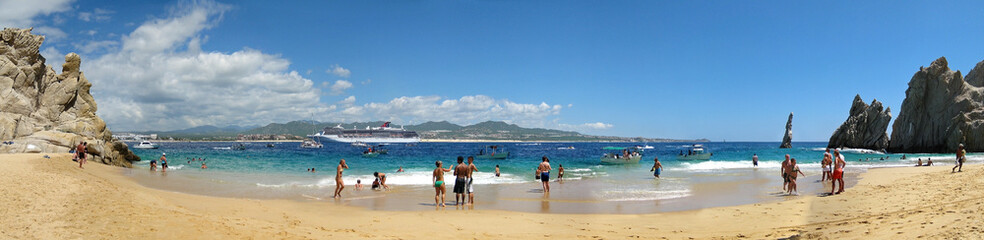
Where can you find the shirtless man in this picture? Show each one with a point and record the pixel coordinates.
(825, 165)
(755, 160)
(339, 185)
(785, 177)
(496, 170)
(461, 172)
(838, 175)
(80, 150)
(792, 172)
(439, 188)
(471, 171)
(961, 157)
(657, 167)
(544, 170)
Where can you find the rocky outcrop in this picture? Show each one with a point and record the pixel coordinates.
(41, 111)
(940, 111)
(864, 128)
(787, 140)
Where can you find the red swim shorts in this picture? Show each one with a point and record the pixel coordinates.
(838, 174)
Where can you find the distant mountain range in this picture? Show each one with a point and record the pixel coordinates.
(443, 130)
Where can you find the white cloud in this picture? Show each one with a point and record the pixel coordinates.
(586, 127)
(464, 110)
(150, 83)
(97, 14)
(92, 46)
(50, 33)
(54, 58)
(340, 86)
(347, 101)
(367, 82)
(339, 71)
(14, 13)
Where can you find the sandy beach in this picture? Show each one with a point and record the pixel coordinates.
(51, 198)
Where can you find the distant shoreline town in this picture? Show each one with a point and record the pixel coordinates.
(489, 131)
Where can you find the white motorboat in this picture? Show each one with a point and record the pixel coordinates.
(360, 144)
(311, 144)
(622, 157)
(146, 145)
(695, 152)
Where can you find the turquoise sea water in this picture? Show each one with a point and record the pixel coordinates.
(280, 171)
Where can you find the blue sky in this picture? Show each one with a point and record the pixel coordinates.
(722, 70)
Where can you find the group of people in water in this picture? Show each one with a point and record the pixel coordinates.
(163, 163)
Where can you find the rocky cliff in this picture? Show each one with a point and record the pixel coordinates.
(864, 128)
(940, 111)
(787, 139)
(41, 111)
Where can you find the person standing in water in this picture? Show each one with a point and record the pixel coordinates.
(961, 157)
(838, 175)
(657, 167)
(544, 170)
(460, 181)
(471, 171)
(755, 160)
(439, 188)
(163, 162)
(497, 170)
(339, 184)
(785, 177)
(792, 172)
(825, 166)
(560, 172)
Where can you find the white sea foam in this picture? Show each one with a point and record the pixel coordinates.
(642, 195)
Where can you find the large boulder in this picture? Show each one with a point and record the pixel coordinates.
(43, 111)
(865, 127)
(940, 111)
(787, 139)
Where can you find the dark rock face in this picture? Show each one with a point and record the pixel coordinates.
(940, 111)
(42, 111)
(864, 128)
(787, 139)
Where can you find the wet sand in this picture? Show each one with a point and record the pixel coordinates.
(54, 199)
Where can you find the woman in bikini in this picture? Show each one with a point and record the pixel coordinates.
(339, 184)
(439, 188)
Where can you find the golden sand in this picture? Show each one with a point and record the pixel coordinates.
(54, 199)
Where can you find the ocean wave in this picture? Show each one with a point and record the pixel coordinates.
(642, 195)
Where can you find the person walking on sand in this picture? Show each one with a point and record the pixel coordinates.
(439, 188)
(657, 167)
(838, 175)
(80, 151)
(339, 184)
(785, 177)
(792, 172)
(544, 170)
(825, 166)
(460, 181)
(471, 171)
(961, 157)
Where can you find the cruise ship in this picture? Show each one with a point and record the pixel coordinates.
(381, 134)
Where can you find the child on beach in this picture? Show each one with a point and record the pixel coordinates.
(358, 184)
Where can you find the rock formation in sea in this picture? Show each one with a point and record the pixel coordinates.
(42, 111)
(788, 138)
(940, 111)
(864, 128)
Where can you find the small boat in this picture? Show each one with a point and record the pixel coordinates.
(625, 157)
(270, 145)
(645, 147)
(146, 145)
(566, 148)
(360, 144)
(240, 147)
(695, 152)
(492, 152)
(308, 143)
(370, 154)
(222, 148)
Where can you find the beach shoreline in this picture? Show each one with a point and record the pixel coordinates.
(53, 198)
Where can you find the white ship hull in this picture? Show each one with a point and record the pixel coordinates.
(336, 138)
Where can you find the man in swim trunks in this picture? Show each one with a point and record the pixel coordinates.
(80, 151)
(785, 177)
(339, 184)
(755, 160)
(657, 167)
(439, 188)
(497, 170)
(471, 170)
(460, 181)
(544, 170)
(838, 175)
(961, 157)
